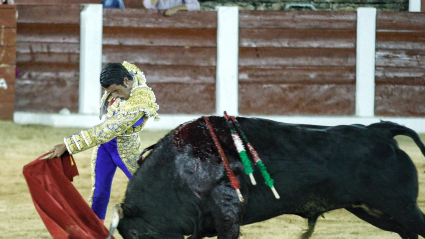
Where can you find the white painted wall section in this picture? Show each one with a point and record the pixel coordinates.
(227, 60)
(91, 24)
(169, 122)
(365, 62)
(414, 5)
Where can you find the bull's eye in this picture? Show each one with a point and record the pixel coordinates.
(134, 233)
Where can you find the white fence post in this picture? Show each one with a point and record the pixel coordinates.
(91, 24)
(227, 60)
(414, 5)
(365, 62)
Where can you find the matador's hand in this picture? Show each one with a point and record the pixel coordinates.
(57, 151)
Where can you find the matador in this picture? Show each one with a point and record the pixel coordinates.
(127, 104)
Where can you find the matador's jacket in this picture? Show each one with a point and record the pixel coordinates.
(124, 119)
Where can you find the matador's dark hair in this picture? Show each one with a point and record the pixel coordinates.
(114, 73)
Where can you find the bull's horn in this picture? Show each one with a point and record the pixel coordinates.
(116, 216)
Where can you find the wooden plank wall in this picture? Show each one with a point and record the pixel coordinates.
(297, 63)
(400, 64)
(48, 57)
(177, 54)
(290, 63)
(7, 61)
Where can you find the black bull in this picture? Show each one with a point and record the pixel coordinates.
(182, 187)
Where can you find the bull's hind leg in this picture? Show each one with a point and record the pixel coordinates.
(397, 196)
(226, 210)
(386, 224)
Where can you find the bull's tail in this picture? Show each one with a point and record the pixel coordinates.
(395, 129)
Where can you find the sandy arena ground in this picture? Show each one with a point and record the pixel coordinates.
(20, 144)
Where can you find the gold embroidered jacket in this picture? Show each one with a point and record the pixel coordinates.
(119, 123)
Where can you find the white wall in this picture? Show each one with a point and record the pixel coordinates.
(227, 60)
(414, 5)
(91, 25)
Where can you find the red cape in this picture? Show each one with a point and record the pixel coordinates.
(61, 207)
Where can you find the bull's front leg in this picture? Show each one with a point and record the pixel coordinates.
(226, 210)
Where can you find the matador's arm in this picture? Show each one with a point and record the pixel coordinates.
(141, 104)
(101, 133)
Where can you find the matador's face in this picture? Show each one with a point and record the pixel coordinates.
(119, 91)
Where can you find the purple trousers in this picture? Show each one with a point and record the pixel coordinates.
(107, 162)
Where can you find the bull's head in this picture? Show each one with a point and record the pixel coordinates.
(129, 224)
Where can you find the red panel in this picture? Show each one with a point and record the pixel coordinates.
(6, 110)
(400, 100)
(159, 37)
(400, 68)
(8, 17)
(8, 37)
(297, 75)
(50, 14)
(49, 48)
(7, 95)
(114, 17)
(139, 55)
(47, 52)
(47, 87)
(174, 98)
(401, 40)
(297, 38)
(400, 36)
(48, 57)
(400, 58)
(399, 76)
(296, 57)
(8, 55)
(179, 74)
(332, 20)
(8, 75)
(46, 96)
(48, 33)
(400, 21)
(46, 72)
(296, 99)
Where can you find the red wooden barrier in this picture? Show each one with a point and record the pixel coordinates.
(177, 54)
(48, 57)
(7, 61)
(290, 63)
(400, 64)
(297, 63)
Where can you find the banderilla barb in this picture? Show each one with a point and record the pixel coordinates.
(260, 165)
(232, 177)
(241, 149)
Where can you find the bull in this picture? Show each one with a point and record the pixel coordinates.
(182, 188)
